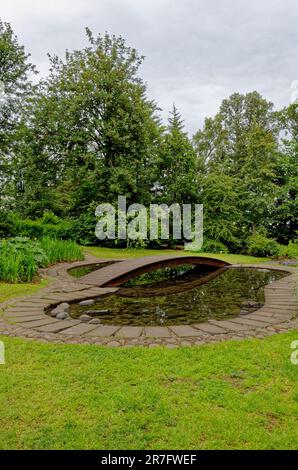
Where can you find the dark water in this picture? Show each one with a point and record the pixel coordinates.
(155, 277)
(89, 268)
(185, 299)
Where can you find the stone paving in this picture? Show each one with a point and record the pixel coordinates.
(27, 317)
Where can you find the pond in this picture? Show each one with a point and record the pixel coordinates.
(182, 295)
(80, 271)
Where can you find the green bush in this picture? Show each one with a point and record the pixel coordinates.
(259, 245)
(26, 247)
(39, 229)
(291, 251)
(210, 246)
(20, 257)
(61, 250)
(83, 230)
(16, 265)
(8, 224)
(50, 218)
(213, 246)
(49, 225)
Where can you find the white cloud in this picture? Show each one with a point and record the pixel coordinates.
(197, 51)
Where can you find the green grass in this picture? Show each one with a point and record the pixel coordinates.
(232, 395)
(130, 253)
(61, 250)
(10, 291)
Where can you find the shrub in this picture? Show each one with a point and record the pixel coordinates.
(83, 230)
(39, 229)
(21, 257)
(210, 246)
(26, 247)
(259, 245)
(61, 250)
(291, 251)
(16, 266)
(49, 225)
(50, 218)
(8, 224)
(213, 246)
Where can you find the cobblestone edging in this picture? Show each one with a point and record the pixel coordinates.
(26, 318)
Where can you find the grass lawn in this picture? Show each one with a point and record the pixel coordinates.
(135, 253)
(233, 395)
(8, 291)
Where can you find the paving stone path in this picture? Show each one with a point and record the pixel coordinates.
(26, 317)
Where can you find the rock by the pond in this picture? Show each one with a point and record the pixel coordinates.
(64, 306)
(85, 303)
(244, 312)
(61, 308)
(85, 317)
(95, 321)
(62, 316)
(92, 312)
(251, 304)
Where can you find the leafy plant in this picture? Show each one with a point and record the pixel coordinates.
(214, 246)
(21, 257)
(25, 246)
(291, 251)
(16, 266)
(210, 246)
(61, 250)
(259, 245)
(8, 224)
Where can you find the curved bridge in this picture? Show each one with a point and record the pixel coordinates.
(119, 273)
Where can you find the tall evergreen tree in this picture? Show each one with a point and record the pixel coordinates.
(223, 219)
(177, 177)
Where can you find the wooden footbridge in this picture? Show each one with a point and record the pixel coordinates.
(120, 272)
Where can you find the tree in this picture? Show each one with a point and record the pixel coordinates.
(257, 185)
(223, 219)
(94, 129)
(16, 88)
(284, 214)
(211, 143)
(242, 142)
(176, 166)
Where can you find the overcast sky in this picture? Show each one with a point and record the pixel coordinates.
(197, 52)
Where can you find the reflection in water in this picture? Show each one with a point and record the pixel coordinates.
(80, 271)
(186, 299)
